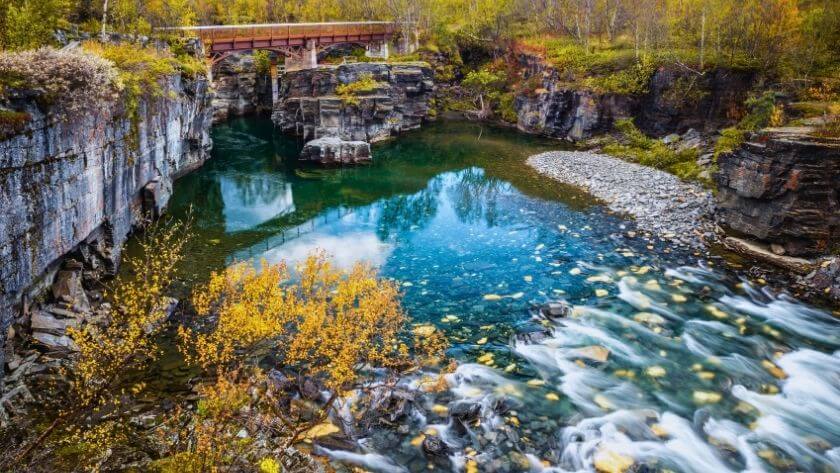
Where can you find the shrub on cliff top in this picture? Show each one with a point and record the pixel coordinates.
(350, 92)
(69, 81)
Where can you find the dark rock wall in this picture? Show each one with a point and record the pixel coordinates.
(677, 100)
(309, 107)
(91, 178)
(783, 188)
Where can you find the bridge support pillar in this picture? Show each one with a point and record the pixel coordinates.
(308, 58)
(377, 50)
(275, 86)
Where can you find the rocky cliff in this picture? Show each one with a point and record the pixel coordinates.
(239, 88)
(783, 188)
(676, 100)
(309, 104)
(81, 185)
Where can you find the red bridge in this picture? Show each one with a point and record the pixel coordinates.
(299, 43)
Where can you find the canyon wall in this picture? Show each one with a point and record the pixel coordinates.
(783, 188)
(83, 184)
(676, 100)
(310, 107)
(239, 88)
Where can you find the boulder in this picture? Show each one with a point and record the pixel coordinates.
(67, 287)
(333, 150)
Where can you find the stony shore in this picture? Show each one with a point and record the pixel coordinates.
(660, 202)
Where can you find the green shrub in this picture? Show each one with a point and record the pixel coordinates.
(634, 80)
(507, 107)
(729, 140)
(262, 61)
(349, 93)
(647, 151)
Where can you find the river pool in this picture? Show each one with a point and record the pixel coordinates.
(668, 357)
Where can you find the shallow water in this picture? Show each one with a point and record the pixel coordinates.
(704, 372)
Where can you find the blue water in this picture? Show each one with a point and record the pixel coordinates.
(704, 370)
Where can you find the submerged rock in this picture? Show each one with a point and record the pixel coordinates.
(434, 446)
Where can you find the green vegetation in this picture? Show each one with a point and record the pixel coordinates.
(351, 92)
(262, 61)
(637, 147)
(763, 111)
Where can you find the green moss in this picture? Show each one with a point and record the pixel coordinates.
(729, 140)
(349, 93)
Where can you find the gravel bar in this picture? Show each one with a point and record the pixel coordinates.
(660, 202)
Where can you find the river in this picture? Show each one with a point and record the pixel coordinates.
(668, 357)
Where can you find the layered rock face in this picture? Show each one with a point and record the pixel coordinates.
(310, 107)
(83, 184)
(239, 89)
(676, 101)
(570, 114)
(783, 188)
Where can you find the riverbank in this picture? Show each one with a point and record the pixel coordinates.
(659, 202)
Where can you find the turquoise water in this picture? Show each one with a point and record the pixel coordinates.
(667, 358)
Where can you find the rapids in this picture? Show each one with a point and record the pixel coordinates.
(669, 359)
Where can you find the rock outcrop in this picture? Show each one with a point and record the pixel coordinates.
(309, 105)
(239, 88)
(676, 100)
(783, 188)
(82, 185)
(334, 150)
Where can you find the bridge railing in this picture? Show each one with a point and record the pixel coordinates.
(300, 31)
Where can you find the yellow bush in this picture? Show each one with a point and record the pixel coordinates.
(326, 325)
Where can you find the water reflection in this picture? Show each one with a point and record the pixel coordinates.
(251, 200)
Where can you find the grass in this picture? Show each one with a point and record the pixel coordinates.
(639, 148)
(349, 93)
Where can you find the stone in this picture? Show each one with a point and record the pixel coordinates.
(55, 342)
(68, 285)
(465, 411)
(594, 353)
(609, 461)
(45, 322)
(332, 150)
(434, 446)
(777, 249)
(760, 252)
(555, 310)
(671, 139)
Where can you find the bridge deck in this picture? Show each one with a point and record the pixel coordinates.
(227, 38)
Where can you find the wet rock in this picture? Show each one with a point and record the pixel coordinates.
(465, 411)
(391, 405)
(531, 338)
(555, 310)
(434, 446)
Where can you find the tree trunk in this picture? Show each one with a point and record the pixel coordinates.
(103, 35)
